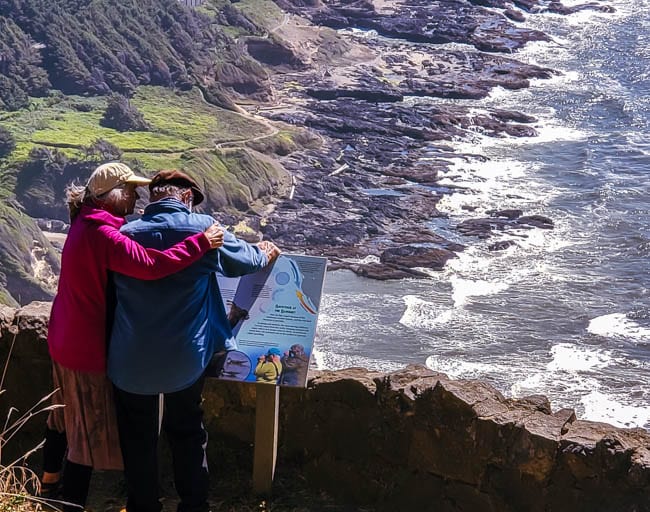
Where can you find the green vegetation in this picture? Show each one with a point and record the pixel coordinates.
(59, 140)
(122, 116)
(188, 116)
(7, 142)
(60, 62)
(265, 13)
(100, 47)
(179, 121)
(232, 179)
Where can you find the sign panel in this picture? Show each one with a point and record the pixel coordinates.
(273, 314)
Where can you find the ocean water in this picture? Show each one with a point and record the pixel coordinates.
(564, 312)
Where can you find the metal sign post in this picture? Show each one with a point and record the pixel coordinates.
(266, 437)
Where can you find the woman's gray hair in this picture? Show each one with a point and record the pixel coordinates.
(75, 195)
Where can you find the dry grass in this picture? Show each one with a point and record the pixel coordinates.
(19, 485)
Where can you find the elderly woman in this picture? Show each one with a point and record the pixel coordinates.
(80, 323)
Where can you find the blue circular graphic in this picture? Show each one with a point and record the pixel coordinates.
(282, 278)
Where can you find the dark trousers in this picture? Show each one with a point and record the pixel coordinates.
(54, 449)
(76, 477)
(137, 421)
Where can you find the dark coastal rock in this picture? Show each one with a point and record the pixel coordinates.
(365, 86)
(502, 245)
(416, 256)
(560, 8)
(514, 15)
(421, 21)
(508, 214)
(501, 221)
(28, 377)
(481, 228)
(374, 183)
(538, 221)
(383, 272)
(352, 197)
(445, 74)
(375, 177)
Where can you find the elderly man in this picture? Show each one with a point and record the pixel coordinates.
(164, 335)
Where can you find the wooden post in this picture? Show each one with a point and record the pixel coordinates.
(266, 437)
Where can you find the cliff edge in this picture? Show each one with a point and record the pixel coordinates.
(409, 440)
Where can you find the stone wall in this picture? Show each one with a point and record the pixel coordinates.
(412, 440)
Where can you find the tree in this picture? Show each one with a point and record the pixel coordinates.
(7, 142)
(12, 97)
(122, 116)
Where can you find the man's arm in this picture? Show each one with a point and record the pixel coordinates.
(237, 258)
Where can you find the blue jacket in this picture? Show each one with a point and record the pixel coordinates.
(166, 331)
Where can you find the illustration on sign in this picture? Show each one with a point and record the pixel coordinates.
(273, 314)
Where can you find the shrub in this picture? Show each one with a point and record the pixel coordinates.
(122, 116)
(103, 150)
(7, 142)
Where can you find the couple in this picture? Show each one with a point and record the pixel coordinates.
(137, 313)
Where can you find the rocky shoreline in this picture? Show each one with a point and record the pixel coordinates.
(377, 95)
(386, 90)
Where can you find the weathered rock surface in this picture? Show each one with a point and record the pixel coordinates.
(408, 440)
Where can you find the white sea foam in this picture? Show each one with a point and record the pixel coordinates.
(487, 181)
(533, 383)
(318, 358)
(335, 361)
(462, 369)
(602, 407)
(556, 82)
(589, 400)
(422, 314)
(465, 288)
(617, 325)
(535, 51)
(550, 131)
(587, 16)
(342, 308)
(574, 358)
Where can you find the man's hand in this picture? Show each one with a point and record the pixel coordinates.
(270, 249)
(214, 234)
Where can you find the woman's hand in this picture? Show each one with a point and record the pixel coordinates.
(214, 234)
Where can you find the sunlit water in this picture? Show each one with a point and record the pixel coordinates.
(564, 312)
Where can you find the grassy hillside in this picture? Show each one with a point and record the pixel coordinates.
(180, 121)
(184, 133)
(59, 59)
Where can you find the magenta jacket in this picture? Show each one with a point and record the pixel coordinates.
(77, 331)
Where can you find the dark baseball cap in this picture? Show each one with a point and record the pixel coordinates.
(178, 178)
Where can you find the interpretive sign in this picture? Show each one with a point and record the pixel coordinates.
(273, 315)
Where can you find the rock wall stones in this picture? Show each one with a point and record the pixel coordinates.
(28, 376)
(405, 441)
